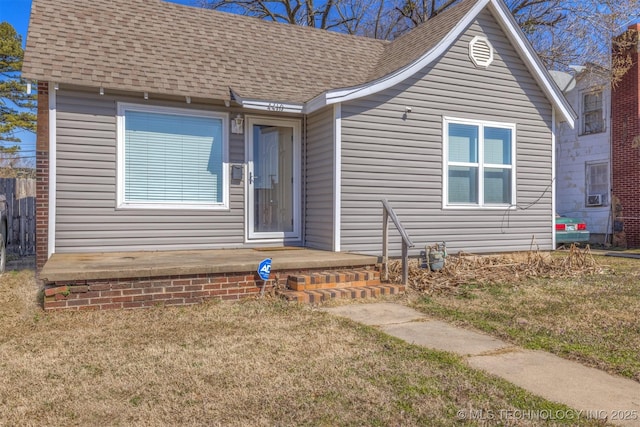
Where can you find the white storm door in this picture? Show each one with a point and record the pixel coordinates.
(273, 179)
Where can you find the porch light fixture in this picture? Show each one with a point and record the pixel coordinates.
(227, 103)
(236, 124)
(101, 90)
(146, 95)
(55, 86)
(188, 99)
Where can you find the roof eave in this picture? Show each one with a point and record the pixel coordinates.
(268, 105)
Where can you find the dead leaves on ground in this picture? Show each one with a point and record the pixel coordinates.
(465, 268)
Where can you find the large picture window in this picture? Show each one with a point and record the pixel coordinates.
(479, 163)
(171, 158)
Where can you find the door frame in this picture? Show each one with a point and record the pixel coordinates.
(295, 235)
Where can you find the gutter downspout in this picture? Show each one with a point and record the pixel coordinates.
(52, 170)
(337, 174)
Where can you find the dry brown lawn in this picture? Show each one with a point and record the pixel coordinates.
(252, 363)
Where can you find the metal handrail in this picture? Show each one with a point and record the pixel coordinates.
(387, 211)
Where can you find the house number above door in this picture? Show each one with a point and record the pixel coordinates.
(273, 106)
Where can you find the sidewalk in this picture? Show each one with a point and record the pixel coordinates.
(586, 389)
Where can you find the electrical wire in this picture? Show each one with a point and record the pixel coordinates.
(508, 210)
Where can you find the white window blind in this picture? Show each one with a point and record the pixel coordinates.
(172, 158)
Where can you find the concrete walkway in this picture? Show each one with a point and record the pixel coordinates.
(596, 393)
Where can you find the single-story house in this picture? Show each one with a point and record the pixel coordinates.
(167, 127)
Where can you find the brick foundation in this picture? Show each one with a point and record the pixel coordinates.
(152, 291)
(173, 290)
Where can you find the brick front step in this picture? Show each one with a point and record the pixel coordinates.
(322, 295)
(333, 279)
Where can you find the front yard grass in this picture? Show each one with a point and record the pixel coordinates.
(252, 363)
(594, 319)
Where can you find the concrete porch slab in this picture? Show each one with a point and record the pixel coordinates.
(120, 265)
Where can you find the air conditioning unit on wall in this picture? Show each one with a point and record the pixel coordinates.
(594, 200)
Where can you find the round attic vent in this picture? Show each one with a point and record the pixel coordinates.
(480, 51)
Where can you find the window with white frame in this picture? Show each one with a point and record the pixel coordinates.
(479, 166)
(592, 117)
(597, 180)
(171, 158)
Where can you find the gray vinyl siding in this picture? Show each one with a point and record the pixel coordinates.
(386, 155)
(319, 185)
(86, 214)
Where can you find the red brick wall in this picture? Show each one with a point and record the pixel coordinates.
(42, 176)
(149, 292)
(625, 132)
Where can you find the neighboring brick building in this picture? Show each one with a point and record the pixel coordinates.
(625, 140)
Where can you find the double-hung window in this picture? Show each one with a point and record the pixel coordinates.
(597, 180)
(479, 163)
(592, 117)
(171, 158)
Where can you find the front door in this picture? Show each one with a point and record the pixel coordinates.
(273, 159)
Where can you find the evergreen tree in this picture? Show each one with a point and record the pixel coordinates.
(17, 108)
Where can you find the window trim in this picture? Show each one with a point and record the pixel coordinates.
(446, 120)
(583, 111)
(587, 185)
(121, 203)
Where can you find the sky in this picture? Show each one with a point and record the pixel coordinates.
(16, 12)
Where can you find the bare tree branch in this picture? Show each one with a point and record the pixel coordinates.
(563, 32)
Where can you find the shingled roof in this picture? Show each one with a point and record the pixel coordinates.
(161, 47)
(412, 45)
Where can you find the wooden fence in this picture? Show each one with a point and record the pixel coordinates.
(21, 215)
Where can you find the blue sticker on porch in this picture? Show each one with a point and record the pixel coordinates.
(264, 269)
